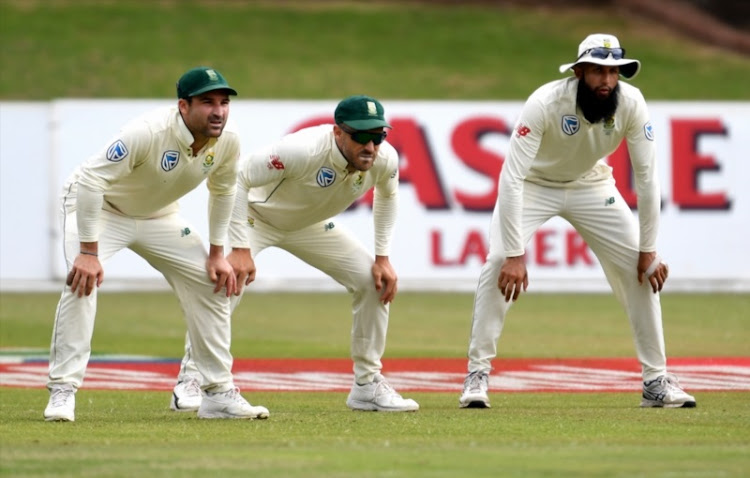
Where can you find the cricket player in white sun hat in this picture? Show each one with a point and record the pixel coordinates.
(287, 195)
(125, 196)
(555, 167)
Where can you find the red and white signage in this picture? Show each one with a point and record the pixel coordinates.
(451, 154)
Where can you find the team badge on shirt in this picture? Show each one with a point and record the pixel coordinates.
(325, 177)
(609, 125)
(208, 162)
(169, 160)
(648, 130)
(358, 182)
(570, 124)
(117, 151)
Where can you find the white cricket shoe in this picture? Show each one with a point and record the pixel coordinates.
(475, 391)
(379, 396)
(186, 396)
(229, 404)
(665, 391)
(62, 404)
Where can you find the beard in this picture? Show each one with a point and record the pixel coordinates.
(594, 108)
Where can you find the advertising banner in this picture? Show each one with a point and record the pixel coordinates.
(451, 153)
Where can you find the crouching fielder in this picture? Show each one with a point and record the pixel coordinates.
(554, 168)
(287, 195)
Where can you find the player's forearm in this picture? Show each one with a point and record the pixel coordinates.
(219, 213)
(238, 225)
(88, 211)
(385, 210)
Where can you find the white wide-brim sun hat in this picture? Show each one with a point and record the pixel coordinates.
(629, 68)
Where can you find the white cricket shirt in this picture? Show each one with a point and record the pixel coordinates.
(148, 166)
(555, 146)
(302, 179)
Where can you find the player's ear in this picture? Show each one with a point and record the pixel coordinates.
(183, 104)
(337, 132)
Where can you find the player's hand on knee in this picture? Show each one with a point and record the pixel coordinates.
(385, 278)
(654, 269)
(513, 278)
(221, 274)
(86, 273)
(244, 267)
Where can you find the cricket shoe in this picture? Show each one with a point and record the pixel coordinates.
(62, 404)
(475, 391)
(379, 396)
(186, 396)
(665, 391)
(229, 404)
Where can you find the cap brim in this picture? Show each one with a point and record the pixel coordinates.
(214, 88)
(362, 125)
(628, 68)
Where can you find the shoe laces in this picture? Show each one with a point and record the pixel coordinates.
(475, 381)
(667, 381)
(60, 396)
(192, 387)
(234, 395)
(384, 388)
(670, 381)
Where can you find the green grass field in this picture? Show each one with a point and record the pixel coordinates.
(313, 49)
(314, 434)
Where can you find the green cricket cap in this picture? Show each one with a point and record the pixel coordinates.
(361, 113)
(199, 80)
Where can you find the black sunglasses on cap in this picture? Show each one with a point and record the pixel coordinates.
(603, 53)
(364, 137)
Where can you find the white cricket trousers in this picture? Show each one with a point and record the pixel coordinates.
(332, 249)
(171, 246)
(611, 231)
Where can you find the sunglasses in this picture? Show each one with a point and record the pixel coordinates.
(603, 53)
(364, 137)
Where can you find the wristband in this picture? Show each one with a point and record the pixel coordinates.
(652, 268)
(95, 254)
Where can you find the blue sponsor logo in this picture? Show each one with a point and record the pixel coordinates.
(169, 160)
(648, 130)
(117, 151)
(326, 177)
(570, 124)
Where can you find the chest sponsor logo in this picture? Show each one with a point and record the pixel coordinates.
(648, 130)
(169, 160)
(570, 124)
(326, 177)
(117, 151)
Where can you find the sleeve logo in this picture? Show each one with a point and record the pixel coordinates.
(274, 162)
(117, 151)
(570, 124)
(169, 160)
(522, 130)
(648, 130)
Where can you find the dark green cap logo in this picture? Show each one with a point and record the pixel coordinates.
(361, 113)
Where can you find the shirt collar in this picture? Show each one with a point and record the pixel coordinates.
(338, 159)
(184, 136)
